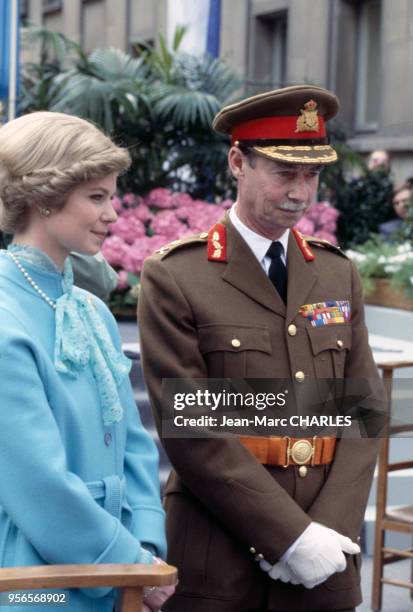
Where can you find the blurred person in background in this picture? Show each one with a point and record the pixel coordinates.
(379, 159)
(402, 200)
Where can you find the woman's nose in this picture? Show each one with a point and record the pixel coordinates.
(110, 214)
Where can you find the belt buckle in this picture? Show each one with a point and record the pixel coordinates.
(287, 451)
(302, 451)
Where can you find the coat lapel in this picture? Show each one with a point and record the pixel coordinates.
(244, 272)
(301, 278)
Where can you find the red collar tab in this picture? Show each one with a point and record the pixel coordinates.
(303, 245)
(217, 243)
(277, 128)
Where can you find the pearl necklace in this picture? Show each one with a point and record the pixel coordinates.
(35, 286)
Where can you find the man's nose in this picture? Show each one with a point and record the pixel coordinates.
(299, 189)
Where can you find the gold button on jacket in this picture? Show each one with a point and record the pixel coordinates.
(292, 330)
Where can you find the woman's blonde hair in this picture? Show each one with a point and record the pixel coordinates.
(44, 156)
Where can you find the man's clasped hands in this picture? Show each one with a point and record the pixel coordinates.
(315, 556)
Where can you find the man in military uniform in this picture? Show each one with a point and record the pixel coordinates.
(261, 527)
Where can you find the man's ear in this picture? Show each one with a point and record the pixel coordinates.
(236, 162)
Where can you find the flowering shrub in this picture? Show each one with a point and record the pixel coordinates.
(321, 221)
(379, 259)
(146, 224)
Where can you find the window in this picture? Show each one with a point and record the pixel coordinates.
(24, 8)
(49, 6)
(368, 65)
(278, 37)
(268, 66)
(93, 35)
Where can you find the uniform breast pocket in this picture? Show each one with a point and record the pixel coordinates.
(330, 346)
(235, 351)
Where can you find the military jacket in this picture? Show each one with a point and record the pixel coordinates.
(223, 507)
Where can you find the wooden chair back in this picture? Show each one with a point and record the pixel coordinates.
(131, 579)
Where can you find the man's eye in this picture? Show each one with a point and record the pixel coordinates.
(288, 176)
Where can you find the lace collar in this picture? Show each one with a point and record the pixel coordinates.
(81, 336)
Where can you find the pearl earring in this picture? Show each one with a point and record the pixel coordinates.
(45, 212)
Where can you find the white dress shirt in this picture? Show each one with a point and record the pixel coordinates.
(258, 244)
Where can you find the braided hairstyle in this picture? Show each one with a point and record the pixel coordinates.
(44, 156)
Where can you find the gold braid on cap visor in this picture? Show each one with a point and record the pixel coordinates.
(290, 153)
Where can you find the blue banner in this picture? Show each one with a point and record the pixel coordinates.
(214, 27)
(7, 31)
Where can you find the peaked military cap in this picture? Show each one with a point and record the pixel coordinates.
(286, 124)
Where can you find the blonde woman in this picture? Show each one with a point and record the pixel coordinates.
(79, 472)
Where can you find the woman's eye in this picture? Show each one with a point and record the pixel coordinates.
(96, 197)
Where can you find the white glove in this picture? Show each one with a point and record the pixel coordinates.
(317, 555)
(280, 570)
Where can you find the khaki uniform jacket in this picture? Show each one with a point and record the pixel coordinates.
(220, 501)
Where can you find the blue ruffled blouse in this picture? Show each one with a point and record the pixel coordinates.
(81, 338)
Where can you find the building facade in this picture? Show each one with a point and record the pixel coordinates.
(361, 49)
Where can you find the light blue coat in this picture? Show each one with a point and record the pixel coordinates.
(72, 490)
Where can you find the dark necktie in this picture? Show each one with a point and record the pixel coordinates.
(278, 272)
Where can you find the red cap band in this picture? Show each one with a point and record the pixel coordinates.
(275, 127)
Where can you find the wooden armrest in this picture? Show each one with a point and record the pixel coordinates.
(131, 577)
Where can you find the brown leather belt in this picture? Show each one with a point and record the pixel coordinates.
(290, 451)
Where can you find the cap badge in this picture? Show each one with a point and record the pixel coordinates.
(308, 120)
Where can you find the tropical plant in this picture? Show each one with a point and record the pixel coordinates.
(38, 79)
(160, 105)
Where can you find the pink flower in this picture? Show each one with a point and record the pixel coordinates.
(156, 242)
(140, 250)
(167, 224)
(160, 198)
(329, 215)
(133, 259)
(200, 215)
(306, 226)
(129, 199)
(127, 227)
(123, 282)
(117, 204)
(324, 218)
(142, 212)
(114, 249)
(181, 199)
(329, 227)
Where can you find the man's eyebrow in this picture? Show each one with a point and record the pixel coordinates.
(312, 167)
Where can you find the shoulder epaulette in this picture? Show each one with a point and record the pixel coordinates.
(325, 244)
(181, 242)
